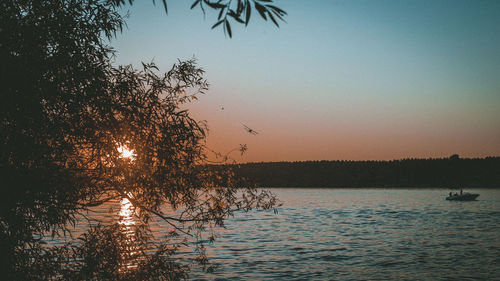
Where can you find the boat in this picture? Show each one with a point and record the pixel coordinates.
(462, 196)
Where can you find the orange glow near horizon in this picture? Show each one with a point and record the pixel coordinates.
(280, 139)
(358, 80)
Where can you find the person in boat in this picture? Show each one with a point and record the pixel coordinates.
(460, 192)
(450, 193)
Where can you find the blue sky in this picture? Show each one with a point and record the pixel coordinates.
(341, 79)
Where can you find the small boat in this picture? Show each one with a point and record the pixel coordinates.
(463, 196)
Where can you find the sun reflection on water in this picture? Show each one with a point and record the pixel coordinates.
(126, 213)
(127, 221)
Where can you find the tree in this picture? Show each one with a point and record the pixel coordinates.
(66, 118)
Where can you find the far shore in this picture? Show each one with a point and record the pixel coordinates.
(447, 173)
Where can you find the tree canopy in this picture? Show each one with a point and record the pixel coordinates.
(66, 116)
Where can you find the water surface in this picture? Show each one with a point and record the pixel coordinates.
(356, 234)
(363, 234)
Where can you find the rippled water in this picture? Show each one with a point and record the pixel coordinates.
(364, 234)
(361, 234)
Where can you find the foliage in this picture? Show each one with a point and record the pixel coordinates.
(238, 11)
(65, 111)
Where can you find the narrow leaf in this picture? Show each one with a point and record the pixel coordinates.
(272, 18)
(228, 27)
(235, 16)
(272, 7)
(165, 5)
(195, 3)
(261, 9)
(220, 13)
(217, 24)
(247, 19)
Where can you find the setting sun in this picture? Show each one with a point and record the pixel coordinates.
(125, 152)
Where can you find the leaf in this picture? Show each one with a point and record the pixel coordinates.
(220, 13)
(165, 5)
(272, 18)
(235, 16)
(279, 16)
(215, 5)
(261, 9)
(228, 28)
(239, 10)
(217, 24)
(249, 11)
(274, 8)
(195, 3)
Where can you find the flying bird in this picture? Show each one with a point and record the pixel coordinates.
(250, 130)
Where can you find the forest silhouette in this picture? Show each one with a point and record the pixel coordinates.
(453, 172)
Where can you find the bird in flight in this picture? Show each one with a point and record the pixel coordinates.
(250, 130)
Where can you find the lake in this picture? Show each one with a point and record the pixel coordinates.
(371, 234)
(361, 234)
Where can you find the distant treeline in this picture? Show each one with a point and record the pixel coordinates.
(444, 172)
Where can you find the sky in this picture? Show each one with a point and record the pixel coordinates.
(340, 80)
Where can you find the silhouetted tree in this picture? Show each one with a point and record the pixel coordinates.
(66, 112)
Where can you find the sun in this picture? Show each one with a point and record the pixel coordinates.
(125, 152)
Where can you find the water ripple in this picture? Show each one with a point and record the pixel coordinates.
(361, 234)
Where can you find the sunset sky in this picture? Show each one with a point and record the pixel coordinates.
(357, 80)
